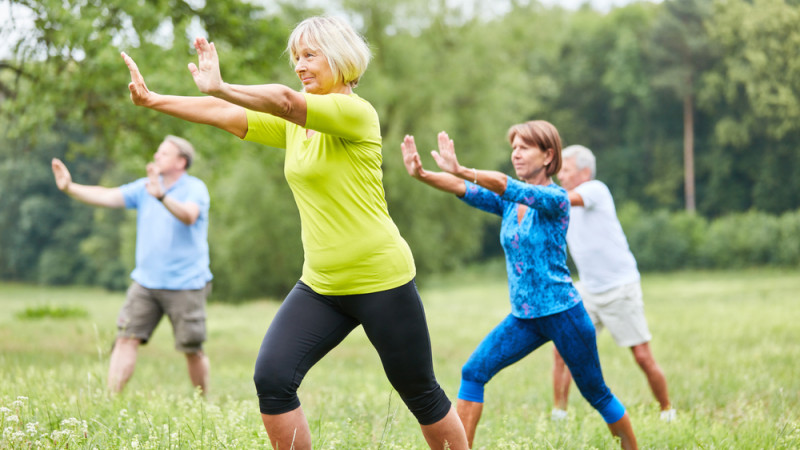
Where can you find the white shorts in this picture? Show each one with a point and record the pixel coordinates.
(621, 310)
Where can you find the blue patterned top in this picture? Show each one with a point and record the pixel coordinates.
(539, 283)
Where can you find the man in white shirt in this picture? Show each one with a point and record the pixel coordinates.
(609, 279)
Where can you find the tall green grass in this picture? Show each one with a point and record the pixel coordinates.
(728, 343)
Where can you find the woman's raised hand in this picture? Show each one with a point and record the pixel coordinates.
(411, 157)
(206, 73)
(446, 156)
(140, 95)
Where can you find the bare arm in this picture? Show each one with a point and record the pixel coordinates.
(91, 195)
(205, 110)
(447, 161)
(276, 99)
(575, 199)
(439, 180)
(186, 212)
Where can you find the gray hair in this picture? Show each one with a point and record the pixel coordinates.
(584, 158)
(346, 51)
(185, 149)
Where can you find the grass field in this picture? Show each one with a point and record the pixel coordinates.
(728, 342)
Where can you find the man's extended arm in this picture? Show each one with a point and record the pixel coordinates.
(91, 195)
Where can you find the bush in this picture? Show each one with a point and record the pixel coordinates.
(661, 240)
(664, 240)
(788, 246)
(741, 240)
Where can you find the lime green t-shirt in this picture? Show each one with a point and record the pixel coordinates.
(350, 242)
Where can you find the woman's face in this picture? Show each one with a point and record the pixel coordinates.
(529, 161)
(314, 72)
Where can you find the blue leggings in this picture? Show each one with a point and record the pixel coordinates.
(572, 333)
(308, 325)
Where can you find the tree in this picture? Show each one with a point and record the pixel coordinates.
(754, 91)
(681, 52)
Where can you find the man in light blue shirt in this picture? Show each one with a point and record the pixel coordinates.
(172, 273)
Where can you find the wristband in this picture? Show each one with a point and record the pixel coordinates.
(475, 176)
(161, 199)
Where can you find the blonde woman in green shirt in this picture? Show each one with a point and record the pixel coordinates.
(358, 270)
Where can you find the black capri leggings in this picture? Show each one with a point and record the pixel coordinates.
(309, 325)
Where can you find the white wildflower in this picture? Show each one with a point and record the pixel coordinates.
(71, 422)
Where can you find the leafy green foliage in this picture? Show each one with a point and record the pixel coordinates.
(615, 82)
(662, 240)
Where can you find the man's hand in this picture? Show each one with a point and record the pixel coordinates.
(61, 174)
(154, 186)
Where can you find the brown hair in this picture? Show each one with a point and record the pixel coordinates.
(541, 134)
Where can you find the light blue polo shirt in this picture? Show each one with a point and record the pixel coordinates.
(169, 253)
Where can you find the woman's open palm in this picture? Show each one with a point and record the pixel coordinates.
(206, 73)
(446, 156)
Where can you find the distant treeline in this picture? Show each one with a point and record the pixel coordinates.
(688, 105)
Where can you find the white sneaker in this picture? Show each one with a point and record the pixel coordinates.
(668, 415)
(558, 415)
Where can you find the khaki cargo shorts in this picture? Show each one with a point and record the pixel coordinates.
(621, 310)
(186, 309)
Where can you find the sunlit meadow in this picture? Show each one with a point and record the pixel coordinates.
(728, 343)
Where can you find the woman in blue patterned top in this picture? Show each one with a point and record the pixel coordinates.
(545, 306)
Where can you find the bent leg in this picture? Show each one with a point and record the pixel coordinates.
(470, 414)
(655, 376)
(394, 321)
(136, 321)
(624, 431)
(288, 430)
(574, 336)
(123, 362)
(447, 433)
(562, 379)
(507, 343)
(305, 328)
(199, 368)
(186, 310)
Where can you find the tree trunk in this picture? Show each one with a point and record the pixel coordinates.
(688, 152)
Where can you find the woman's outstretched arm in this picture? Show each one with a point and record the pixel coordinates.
(446, 160)
(205, 110)
(276, 99)
(440, 180)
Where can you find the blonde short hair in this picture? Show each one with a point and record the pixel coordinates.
(185, 149)
(346, 51)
